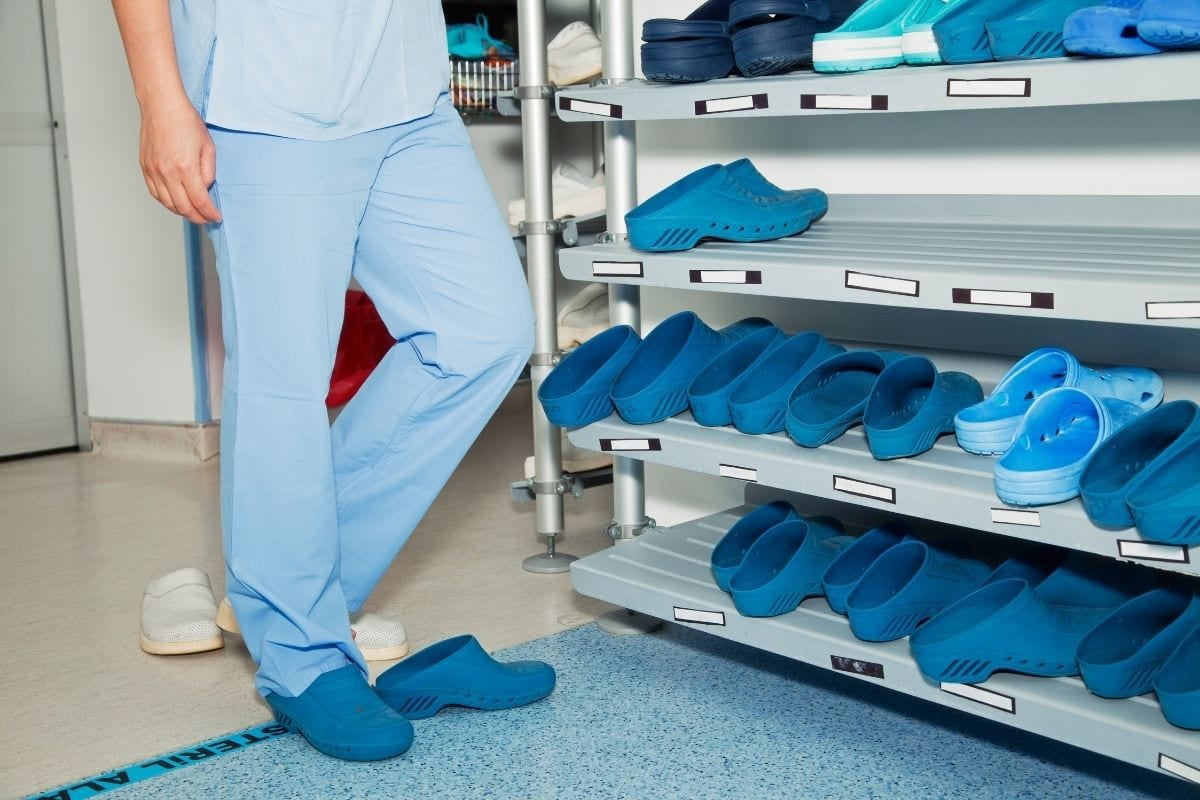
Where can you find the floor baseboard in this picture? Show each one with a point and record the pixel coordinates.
(155, 440)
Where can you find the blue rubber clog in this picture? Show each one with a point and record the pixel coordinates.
(1107, 30)
(1121, 656)
(1170, 24)
(709, 394)
(848, 568)
(653, 386)
(832, 397)
(1059, 434)
(459, 672)
(868, 39)
(577, 391)
(784, 566)
(1123, 462)
(759, 404)
(905, 586)
(745, 173)
(340, 716)
(988, 428)
(473, 40)
(917, 42)
(1033, 32)
(960, 32)
(1178, 684)
(711, 204)
(912, 404)
(697, 48)
(1166, 503)
(731, 550)
(774, 36)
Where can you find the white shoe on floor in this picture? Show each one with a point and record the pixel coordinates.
(584, 316)
(178, 612)
(378, 638)
(573, 195)
(574, 459)
(574, 55)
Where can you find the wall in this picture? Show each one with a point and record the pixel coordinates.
(131, 258)
(1150, 149)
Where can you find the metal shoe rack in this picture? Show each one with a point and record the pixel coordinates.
(1130, 265)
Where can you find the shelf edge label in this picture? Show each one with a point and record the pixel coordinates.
(1178, 768)
(844, 102)
(978, 694)
(874, 491)
(1146, 551)
(726, 276)
(725, 105)
(589, 107)
(629, 445)
(1174, 309)
(1008, 299)
(866, 669)
(699, 617)
(1011, 516)
(882, 283)
(989, 87)
(738, 473)
(617, 269)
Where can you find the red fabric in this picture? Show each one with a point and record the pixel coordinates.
(363, 343)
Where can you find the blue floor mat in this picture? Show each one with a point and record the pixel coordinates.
(682, 714)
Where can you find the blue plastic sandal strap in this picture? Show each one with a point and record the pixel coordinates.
(745, 10)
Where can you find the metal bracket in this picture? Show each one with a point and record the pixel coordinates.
(617, 531)
(546, 359)
(610, 81)
(609, 237)
(527, 490)
(544, 92)
(549, 227)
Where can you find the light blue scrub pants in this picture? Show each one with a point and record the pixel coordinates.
(313, 514)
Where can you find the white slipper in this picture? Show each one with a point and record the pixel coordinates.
(378, 638)
(574, 55)
(178, 615)
(573, 195)
(584, 316)
(574, 459)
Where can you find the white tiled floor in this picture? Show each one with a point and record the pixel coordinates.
(81, 535)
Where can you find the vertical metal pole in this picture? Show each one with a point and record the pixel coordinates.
(539, 244)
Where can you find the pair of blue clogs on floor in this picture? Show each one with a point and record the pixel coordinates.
(757, 37)
(733, 202)
(903, 402)
(1046, 419)
(341, 715)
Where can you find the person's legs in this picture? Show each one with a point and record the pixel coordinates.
(435, 256)
(291, 210)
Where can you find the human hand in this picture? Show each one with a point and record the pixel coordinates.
(178, 159)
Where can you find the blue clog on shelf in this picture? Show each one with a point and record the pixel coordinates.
(784, 566)
(961, 33)
(832, 397)
(459, 672)
(1166, 503)
(696, 48)
(759, 404)
(709, 393)
(851, 564)
(578, 390)
(912, 404)
(731, 550)
(1170, 24)
(1035, 31)
(1178, 684)
(1107, 30)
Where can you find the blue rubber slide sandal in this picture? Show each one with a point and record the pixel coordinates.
(1170, 24)
(1178, 684)
(709, 394)
(1166, 504)
(785, 566)
(988, 428)
(832, 397)
(731, 550)
(653, 386)
(960, 32)
(907, 585)
(745, 173)
(1123, 462)
(1107, 30)
(917, 42)
(341, 716)
(459, 672)
(775, 36)
(577, 391)
(697, 48)
(759, 403)
(1056, 439)
(912, 404)
(710, 204)
(868, 39)
(1033, 32)
(851, 564)
(1121, 656)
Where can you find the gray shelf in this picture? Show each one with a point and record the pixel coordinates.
(945, 485)
(1014, 84)
(1141, 276)
(666, 574)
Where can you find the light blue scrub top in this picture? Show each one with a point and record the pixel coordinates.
(311, 69)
